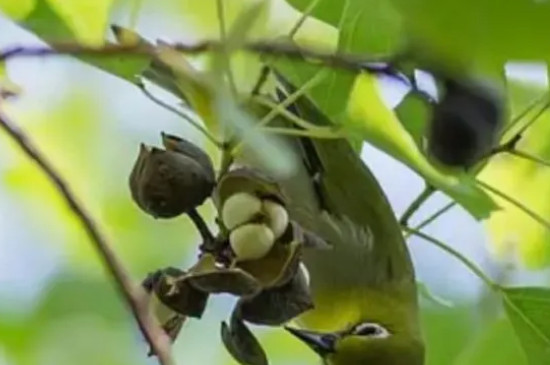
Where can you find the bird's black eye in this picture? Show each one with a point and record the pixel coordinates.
(371, 330)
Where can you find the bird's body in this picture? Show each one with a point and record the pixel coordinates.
(367, 278)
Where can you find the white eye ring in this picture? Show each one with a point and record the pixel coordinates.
(371, 330)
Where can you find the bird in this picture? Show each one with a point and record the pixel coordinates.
(364, 289)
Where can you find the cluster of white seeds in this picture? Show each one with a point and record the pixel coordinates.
(252, 238)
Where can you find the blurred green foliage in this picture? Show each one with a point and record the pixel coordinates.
(78, 317)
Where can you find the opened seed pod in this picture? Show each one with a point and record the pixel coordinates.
(241, 343)
(208, 277)
(247, 180)
(276, 306)
(172, 289)
(167, 183)
(277, 267)
(170, 321)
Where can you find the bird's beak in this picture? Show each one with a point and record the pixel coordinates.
(321, 343)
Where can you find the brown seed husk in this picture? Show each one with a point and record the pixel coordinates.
(175, 291)
(241, 343)
(208, 277)
(274, 307)
(167, 183)
(277, 267)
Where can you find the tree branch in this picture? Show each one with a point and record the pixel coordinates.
(134, 295)
(469, 264)
(345, 61)
(416, 204)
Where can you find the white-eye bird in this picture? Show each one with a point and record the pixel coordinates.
(364, 291)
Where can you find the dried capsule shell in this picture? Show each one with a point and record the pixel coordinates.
(277, 267)
(178, 144)
(245, 179)
(170, 321)
(276, 306)
(166, 184)
(209, 278)
(251, 241)
(172, 288)
(241, 343)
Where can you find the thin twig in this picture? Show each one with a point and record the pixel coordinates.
(292, 98)
(133, 294)
(469, 264)
(288, 115)
(328, 134)
(531, 121)
(307, 12)
(220, 10)
(346, 61)
(208, 239)
(179, 113)
(523, 113)
(416, 204)
(262, 79)
(516, 203)
(529, 157)
(438, 213)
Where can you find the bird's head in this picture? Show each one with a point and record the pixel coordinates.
(365, 343)
(361, 327)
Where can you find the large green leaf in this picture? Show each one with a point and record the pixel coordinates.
(484, 32)
(528, 310)
(367, 26)
(17, 9)
(47, 24)
(87, 19)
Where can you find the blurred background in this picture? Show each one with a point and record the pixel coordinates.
(57, 306)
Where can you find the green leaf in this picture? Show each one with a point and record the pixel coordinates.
(413, 113)
(87, 19)
(528, 309)
(46, 24)
(241, 342)
(483, 32)
(366, 26)
(426, 293)
(17, 9)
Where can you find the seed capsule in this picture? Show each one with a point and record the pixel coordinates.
(251, 241)
(167, 183)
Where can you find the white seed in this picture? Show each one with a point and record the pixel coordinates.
(251, 241)
(240, 208)
(305, 272)
(277, 217)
